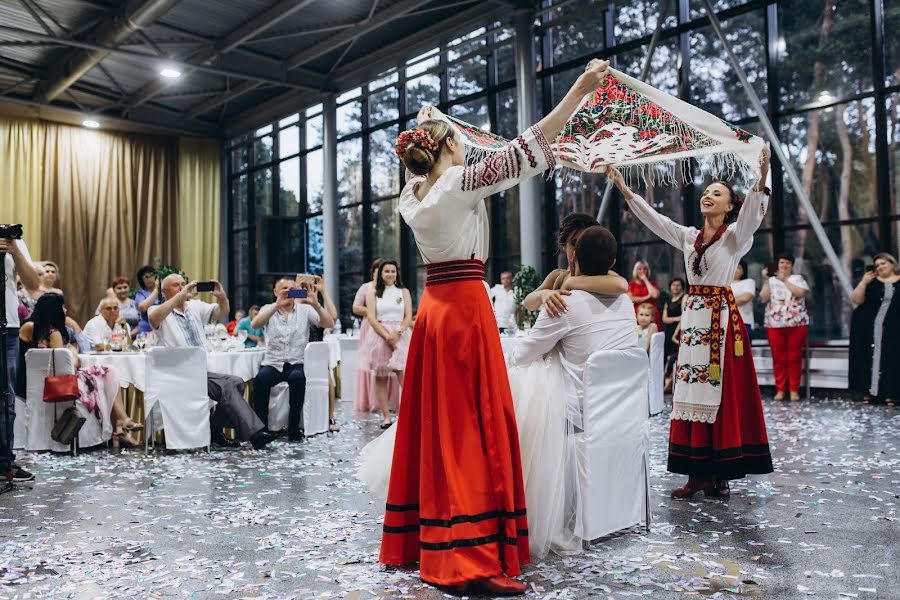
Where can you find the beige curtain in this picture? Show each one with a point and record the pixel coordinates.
(199, 206)
(21, 181)
(110, 204)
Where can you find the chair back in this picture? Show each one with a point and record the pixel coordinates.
(349, 365)
(315, 405)
(656, 381)
(40, 415)
(176, 387)
(613, 483)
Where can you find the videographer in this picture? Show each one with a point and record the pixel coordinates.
(17, 261)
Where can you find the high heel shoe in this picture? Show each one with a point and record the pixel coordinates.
(693, 485)
(387, 424)
(130, 425)
(333, 427)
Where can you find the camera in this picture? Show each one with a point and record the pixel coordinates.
(205, 286)
(11, 232)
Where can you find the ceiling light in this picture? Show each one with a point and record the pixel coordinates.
(782, 45)
(170, 72)
(90, 123)
(825, 97)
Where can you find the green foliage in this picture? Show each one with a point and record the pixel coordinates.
(524, 282)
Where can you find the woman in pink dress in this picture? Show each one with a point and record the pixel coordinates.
(365, 384)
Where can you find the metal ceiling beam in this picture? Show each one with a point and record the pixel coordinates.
(362, 69)
(296, 81)
(334, 42)
(136, 15)
(257, 24)
(208, 105)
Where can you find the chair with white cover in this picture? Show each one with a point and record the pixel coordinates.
(657, 372)
(349, 365)
(613, 451)
(315, 405)
(176, 399)
(279, 407)
(40, 416)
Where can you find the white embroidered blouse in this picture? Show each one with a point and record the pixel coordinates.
(698, 389)
(451, 221)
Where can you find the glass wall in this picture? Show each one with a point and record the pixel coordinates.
(828, 74)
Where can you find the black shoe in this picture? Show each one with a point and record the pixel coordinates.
(20, 475)
(218, 438)
(297, 436)
(261, 438)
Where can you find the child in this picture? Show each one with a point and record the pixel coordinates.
(646, 325)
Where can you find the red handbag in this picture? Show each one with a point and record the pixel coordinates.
(59, 388)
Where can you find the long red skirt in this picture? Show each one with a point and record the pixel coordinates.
(735, 444)
(456, 501)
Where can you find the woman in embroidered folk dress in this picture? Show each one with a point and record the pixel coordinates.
(717, 431)
(456, 502)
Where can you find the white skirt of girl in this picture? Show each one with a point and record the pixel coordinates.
(547, 445)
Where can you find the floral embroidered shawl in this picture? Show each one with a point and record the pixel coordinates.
(630, 124)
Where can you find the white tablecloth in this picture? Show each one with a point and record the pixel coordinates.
(131, 367)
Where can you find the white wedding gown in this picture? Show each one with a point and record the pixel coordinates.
(546, 422)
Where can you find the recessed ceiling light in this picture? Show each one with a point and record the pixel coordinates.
(170, 72)
(90, 123)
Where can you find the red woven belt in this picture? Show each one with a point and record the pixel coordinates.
(454, 270)
(718, 296)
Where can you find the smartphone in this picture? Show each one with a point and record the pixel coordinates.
(297, 293)
(309, 279)
(870, 268)
(205, 286)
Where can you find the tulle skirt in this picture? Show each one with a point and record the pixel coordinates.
(377, 356)
(540, 392)
(365, 380)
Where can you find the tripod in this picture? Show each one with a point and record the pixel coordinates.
(8, 484)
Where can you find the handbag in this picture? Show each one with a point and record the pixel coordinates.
(67, 426)
(59, 388)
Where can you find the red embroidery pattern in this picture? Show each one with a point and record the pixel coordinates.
(505, 164)
(531, 160)
(545, 146)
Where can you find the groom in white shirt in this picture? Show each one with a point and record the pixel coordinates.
(591, 323)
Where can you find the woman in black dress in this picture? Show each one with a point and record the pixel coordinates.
(876, 322)
(671, 318)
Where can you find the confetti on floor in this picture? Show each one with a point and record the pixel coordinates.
(292, 521)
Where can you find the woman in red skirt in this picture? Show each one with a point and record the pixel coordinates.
(717, 431)
(456, 502)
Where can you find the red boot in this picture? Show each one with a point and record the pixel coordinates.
(693, 485)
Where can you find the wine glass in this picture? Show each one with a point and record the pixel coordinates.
(242, 336)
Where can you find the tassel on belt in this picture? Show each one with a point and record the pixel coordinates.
(453, 271)
(718, 294)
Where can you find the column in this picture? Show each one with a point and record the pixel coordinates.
(330, 228)
(529, 191)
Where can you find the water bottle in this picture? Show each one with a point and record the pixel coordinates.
(337, 326)
(356, 328)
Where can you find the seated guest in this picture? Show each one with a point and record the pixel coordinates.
(179, 322)
(254, 336)
(48, 274)
(287, 322)
(591, 322)
(99, 329)
(503, 299)
(128, 308)
(146, 296)
(232, 324)
(646, 325)
(47, 329)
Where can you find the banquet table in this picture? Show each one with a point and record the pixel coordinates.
(130, 368)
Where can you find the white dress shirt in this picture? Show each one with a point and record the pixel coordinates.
(451, 221)
(185, 327)
(504, 302)
(96, 330)
(12, 299)
(592, 323)
(288, 335)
